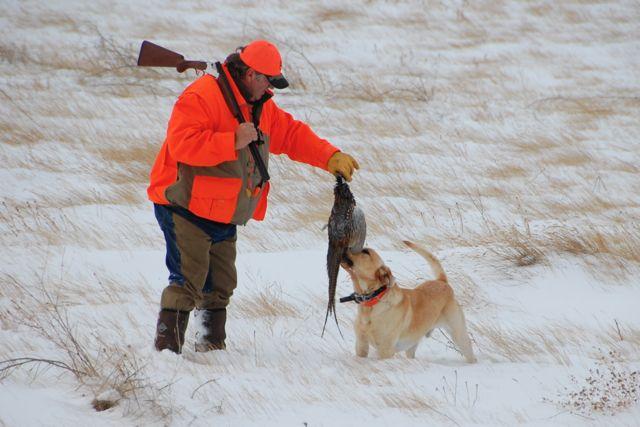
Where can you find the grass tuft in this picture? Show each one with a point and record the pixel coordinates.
(102, 405)
(609, 388)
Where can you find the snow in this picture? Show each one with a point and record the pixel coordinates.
(484, 131)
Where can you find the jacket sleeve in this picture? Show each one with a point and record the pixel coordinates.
(192, 137)
(296, 139)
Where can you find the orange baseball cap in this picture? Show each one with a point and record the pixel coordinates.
(264, 57)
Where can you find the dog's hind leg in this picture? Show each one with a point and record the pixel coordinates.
(411, 352)
(454, 319)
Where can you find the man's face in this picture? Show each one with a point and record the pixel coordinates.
(256, 83)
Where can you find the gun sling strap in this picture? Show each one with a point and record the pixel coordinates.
(232, 103)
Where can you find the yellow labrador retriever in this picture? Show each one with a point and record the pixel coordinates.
(391, 318)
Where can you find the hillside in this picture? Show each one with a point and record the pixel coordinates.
(504, 136)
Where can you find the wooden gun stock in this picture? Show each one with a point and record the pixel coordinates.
(152, 55)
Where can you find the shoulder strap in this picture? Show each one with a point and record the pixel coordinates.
(232, 104)
(227, 94)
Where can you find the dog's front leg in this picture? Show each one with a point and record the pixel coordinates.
(386, 351)
(362, 344)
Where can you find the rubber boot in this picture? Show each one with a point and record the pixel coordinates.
(211, 334)
(172, 325)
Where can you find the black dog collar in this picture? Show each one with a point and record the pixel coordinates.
(360, 298)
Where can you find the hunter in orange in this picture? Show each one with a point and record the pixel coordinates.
(206, 180)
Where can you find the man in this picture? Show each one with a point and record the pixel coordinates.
(205, 182)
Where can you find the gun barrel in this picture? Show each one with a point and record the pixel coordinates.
(262, 168)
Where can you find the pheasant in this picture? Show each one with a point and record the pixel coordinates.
(347, 230)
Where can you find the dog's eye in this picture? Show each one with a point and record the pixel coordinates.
(366, 251)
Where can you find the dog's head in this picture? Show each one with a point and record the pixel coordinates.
(367, 270)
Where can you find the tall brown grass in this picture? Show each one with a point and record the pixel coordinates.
(112, 374)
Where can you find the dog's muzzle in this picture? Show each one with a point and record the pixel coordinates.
(346, 261)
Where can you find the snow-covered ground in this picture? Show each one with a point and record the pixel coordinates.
(504, 136)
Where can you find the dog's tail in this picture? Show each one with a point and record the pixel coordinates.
(433, 261)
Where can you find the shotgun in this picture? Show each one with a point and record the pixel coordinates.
(152, 55)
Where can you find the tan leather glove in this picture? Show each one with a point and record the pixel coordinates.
(343, 164)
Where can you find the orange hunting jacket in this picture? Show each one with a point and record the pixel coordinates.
(198, 167)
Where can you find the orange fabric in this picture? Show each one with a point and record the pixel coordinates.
(201, 132)
(375, 300)
(261, 209)
(263, 57)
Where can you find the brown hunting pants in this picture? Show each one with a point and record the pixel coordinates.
(201, 263)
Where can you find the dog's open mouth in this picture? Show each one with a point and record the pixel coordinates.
(346, 262)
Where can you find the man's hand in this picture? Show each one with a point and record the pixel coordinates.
(245, 133)
(343, 164)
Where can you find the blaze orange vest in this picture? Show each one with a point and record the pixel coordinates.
(198, 167)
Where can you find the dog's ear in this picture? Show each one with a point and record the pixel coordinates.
(384, 276)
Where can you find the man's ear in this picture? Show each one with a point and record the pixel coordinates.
(250, 74)
(384, 276)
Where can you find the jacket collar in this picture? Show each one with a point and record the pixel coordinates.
(242, 102)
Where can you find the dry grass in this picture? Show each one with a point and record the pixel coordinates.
(581, 224)
(569, 158)
(525, 345)
(411, 403)
(335, 14)
(112, 374)
(532, 146)
(615, 248)
(518, 247)
(455, 394)
(557, 342)
(128, 163)
(609, 388)
(587, 204)
(31, 223)
(268, 302)
(370, 88)
(101, 56)
(29, 132)
(589, 112)
(507, 172)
